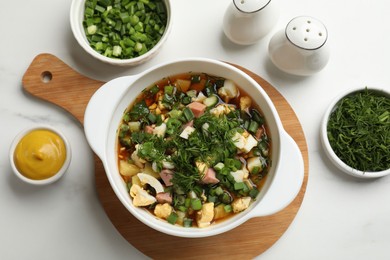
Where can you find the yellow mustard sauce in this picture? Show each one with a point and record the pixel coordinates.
(40, 154)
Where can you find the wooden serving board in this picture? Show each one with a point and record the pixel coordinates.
(51, 79)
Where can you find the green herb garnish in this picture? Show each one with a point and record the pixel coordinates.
(359, 131)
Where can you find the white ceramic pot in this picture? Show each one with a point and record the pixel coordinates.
(247, 21)
(105, 110)
(301, 48)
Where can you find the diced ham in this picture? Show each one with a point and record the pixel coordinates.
(149, 129)
(164, 197)
(166, 175)
(197, 108)
(259, 133)
(209, 177)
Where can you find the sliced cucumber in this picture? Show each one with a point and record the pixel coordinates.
(211, 101)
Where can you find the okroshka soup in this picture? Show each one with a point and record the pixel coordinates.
(193, 149)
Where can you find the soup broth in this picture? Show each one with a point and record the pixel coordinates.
(194, 149)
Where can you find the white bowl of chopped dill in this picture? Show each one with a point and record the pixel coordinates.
(355, 132)
(193, 147)
(121, 32)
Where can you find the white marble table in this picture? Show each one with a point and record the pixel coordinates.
(340, 218)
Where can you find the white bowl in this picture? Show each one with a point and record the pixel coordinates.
(327, 147)
(101, 122)
(55, 177)
(76, 23)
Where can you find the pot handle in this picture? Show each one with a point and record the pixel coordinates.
(287, 182)
(99, 111)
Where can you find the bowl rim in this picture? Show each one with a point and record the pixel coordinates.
(326, 144)
(76, 20)
(56, 176)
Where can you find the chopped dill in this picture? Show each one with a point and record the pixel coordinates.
(359, 131)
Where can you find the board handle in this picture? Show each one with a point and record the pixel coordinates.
(52, 80)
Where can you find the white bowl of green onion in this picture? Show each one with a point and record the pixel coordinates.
(355, 132)
(121, 32)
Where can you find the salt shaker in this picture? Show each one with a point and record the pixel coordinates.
(247, 21)
(301, 48)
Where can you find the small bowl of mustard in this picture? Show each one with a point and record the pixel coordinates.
(40, 155)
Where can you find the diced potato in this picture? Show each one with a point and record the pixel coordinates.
(228, 91)
(249, 144)
(183, 84)
(254, 165)
(205, 215)
(245, 141)
(240, 175)
(238, 140)
(241, 204)
(163, 210)
(128, 169)
(219, 212)
(245, 103)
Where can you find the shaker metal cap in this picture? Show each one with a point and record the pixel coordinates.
(306, 32)
(250, 6)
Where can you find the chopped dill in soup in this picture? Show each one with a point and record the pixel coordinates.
(193, 149)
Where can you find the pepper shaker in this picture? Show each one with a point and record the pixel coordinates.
(247, 21)
(301, 48)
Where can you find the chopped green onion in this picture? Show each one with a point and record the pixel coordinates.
(172, 218)
(169, 90)
(116, 22)
(239, 186)
(257, 116)
(226, 198)
(253, 126)
(100, 8)
(253, 193)
(188, 114)
(187, 222)
(228, 208)
(212, 198)
(196, 204)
